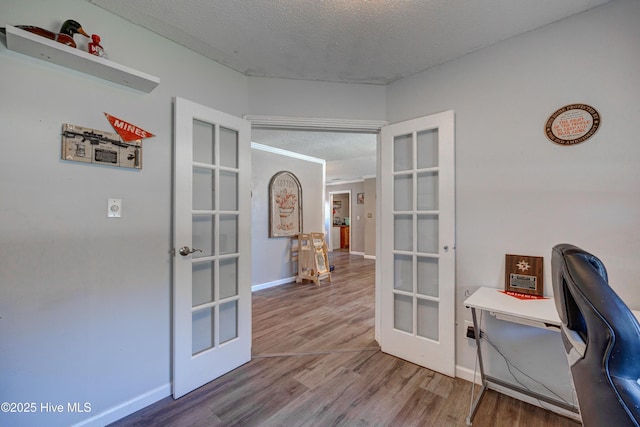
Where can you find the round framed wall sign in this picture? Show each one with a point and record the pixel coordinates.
(572, 124)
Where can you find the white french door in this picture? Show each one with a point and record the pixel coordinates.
(212, 254)
(417, 247)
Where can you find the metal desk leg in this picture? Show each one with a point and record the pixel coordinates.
(474, 406)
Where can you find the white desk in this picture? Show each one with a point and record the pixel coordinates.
(542, 311)
(539, 313)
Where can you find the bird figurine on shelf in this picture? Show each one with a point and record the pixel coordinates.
(65, 36)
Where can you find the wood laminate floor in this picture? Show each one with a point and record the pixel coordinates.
(316, 363)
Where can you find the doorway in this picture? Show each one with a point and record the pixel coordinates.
(415, 239)
(339, 239)
(339, 176)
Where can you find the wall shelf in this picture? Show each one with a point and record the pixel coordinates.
(57, 53)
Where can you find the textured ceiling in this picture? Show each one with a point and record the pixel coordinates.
(364, 41)
(348, 156)
(353, 41)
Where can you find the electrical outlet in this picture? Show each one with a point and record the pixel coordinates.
(471, 333)
(469, 329)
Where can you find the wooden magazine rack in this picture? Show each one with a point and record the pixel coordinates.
(310, 251)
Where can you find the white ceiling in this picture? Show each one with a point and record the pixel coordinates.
(354, 41)
(348, 156)
(364, 41)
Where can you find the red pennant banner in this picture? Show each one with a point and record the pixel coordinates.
(127, 131)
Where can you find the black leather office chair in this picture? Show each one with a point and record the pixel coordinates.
(602, 339)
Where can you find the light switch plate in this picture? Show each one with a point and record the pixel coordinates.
(114, 208)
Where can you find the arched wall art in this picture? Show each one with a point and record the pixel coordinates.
(285, 205)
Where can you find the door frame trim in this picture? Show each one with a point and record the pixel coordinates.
(315, 123)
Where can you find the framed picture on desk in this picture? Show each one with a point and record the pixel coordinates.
(523, 274)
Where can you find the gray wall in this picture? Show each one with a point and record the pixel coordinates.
(299, 98)
(85, 302)
(370, 217)
(270, 260)
(516, 192)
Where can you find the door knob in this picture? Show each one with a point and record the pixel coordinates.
(185, 250)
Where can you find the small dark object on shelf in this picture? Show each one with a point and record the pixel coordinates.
(65, 36)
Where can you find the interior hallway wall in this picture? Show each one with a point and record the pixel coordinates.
(85, 301)
(517, 192)
(271, 256)
(370, 217)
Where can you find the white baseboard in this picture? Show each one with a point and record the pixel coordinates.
(126, 408)
(369, 256)
(467, 374)
(272, 284)
(356, 253)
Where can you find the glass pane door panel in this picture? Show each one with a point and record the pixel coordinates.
(402, 153)
(403, 272)
(228, 277)
(428, 319)
(228, 191)
(203, 283)
(202, 330)
(427, 276)
(427, 149)
(403, 232)
(228, 234)
(202, 235)
(427, 183)
(403, 313)
(428, 234)
(203, 142)
(228, 148)
(228, 321)
(203, 189)
(403, 192)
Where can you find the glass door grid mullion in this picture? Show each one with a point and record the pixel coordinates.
(414, 215)
(216, 236)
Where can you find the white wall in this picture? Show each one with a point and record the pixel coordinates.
(270, 256)
(85, 306)
(299, 98)
(516, 192)
(84, 300)
(370, 217)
